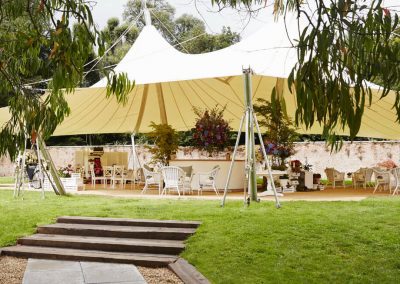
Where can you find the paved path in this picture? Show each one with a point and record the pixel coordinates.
(41, 271)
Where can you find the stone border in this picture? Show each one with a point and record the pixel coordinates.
(187, 272)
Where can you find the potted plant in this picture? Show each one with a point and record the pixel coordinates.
(280, 133)
(211, 132)
(166, 143)
(31, 162)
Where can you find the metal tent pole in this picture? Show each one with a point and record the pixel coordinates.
(233, 160)
(250, 145)
(250, 169)
(135, 157)
(58, 185)
(277, 203)
(41, 175)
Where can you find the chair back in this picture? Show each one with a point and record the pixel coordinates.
(91, 169)
(108, 171)
(330, 173)
(368, 174)
(214, 172)
(359, 175)
(188, 170)
(147, 171)
(383, 176)
(118, 171)
(173, 176)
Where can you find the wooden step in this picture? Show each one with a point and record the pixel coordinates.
(152, 260)
(187, 273)
(104, 244)
(128, 222)
(117, 231)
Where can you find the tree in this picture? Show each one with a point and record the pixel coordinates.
(36, 39)
(166, 142)
(344, 44)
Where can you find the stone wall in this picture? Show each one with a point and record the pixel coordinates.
(351, 157)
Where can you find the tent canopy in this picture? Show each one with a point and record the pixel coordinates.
(169, 84)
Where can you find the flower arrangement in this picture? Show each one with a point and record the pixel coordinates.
(281, 151)
(211, 131)
(66, 171)
(30, 158)
(388, 164)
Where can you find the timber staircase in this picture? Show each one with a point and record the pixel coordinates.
(151, 243)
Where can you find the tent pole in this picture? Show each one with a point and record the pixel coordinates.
(250, 143)
(233, 160)
(134, 154)
(59, 187)
(20, 172)
(40, 164)
(277, 203)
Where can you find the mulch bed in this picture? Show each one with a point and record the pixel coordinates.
(159, 276)
(12, 270)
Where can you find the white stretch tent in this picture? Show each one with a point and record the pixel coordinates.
(170, 83)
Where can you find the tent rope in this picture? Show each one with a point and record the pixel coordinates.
(165, 27)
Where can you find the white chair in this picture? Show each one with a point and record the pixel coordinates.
(188, 177)
(174, 178)
(362, 176)
(129, 175)
(108, 172)
(95, 178)
(335, 176)
(118, 175)
(208, 179)
(382, 179)
(151, 178)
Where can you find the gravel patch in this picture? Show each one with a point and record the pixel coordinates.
(159, 276)
(12, 270)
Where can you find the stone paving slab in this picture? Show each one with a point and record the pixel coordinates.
(95, 272)
(40, 271)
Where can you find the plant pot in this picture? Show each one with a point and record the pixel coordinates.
(30, 169)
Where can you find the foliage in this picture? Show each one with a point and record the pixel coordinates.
(304, 242)
(280, 134)
(341, 45)
(211, 131)
(166, 142)
(36, 39)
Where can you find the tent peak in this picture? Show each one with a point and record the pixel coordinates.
(146, 13)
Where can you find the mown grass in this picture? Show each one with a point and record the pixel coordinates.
(6, 180)
(304, 242)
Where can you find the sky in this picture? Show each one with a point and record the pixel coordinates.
(203, 9)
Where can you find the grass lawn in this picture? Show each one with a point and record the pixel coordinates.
(304, 242)
(6, 180)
